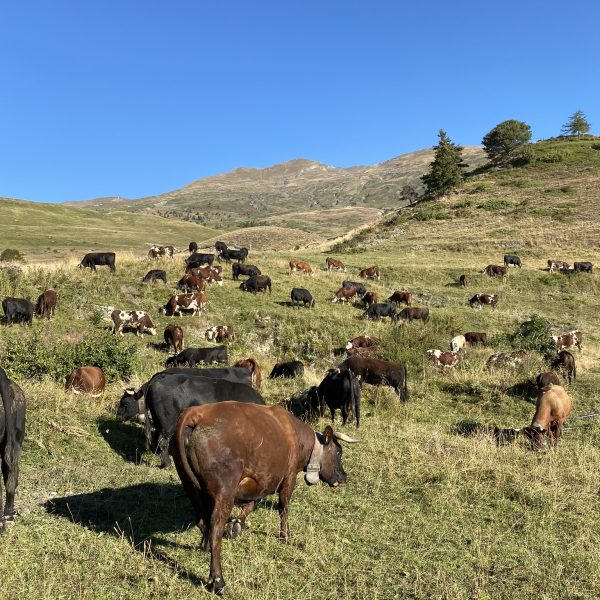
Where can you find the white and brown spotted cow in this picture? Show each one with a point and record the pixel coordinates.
(220, 333)
(568, 340)
(195, 302)
(134, 319)
(157, 252)
(443, 359)
(558, 265)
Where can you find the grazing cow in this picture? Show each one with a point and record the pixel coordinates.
(228, 254)
(478, 300)
(565, 362)
(362, 351)
(369, 298)
(512, 259)
(155, 275)
(558, 265)
(194, 302)
(443, 359)
(238, 269)
(369, 273)
(193, 247)
(506, 360)
(399, 297)
(552, 408)
(495, 270)
(18, 310)
(256, 283)
(333, 263)
(463, 280)
(46, 304)
(475, 337)
(298, 265)
(12, 432)
(254, 369)
(345, 294)
(547, 378)
(379, 372)
(153, 254)
(411, 313)
(98, 259)
(190, 357)
(302, 296)
(220, 247)
(135, 319)
(362, 341)
(568, 340)
(220, 333)
(199, 259)
(164, 251)
(583, 267)
(230, 454)
(458, 343)
(380, 310)
(174, 337)
(360, 288)
(86, 380)
(168, 395)
(287, 370)
(340, 389)
(210, 274)
(189, 283)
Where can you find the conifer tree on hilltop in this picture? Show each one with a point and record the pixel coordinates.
(576, 125)
(445, 172)
(507, 142)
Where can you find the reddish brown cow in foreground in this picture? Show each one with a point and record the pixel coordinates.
(86, 380)
(400, 297)
(369, 273)
(551, 410)
(174, 337)
(345, 294)
(235, 453)
(46, 304)
(333, 263)
(254, 368)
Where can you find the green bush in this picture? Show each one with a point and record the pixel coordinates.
(495, 204)
(433, 211)
(11, 255)
(534, 334)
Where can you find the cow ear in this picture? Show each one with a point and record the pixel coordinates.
(327, 435)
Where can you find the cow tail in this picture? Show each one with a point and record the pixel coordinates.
(354, 398)
(574, 369)
(186, 424)
(405, 386)
(10, 417)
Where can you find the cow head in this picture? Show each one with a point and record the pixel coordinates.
(326, 459)
(536, 434)
(129, 405)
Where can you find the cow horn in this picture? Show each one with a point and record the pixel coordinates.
(338, 435)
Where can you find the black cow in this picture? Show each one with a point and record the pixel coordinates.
(192, 356)
(379, 310)
(302, 296)
(360, 288)
(193, 247)
(198, 259)
(220, 247)
(168, 395)
(512, 259)
(379, 372)
(155, 275)
(288, 370)
(98, 259)
(228, 254)
(339, 390)
(256, 283)
(238, 269)
(12, 432)
(18, 310)
(583, 267)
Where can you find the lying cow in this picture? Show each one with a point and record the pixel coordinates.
(338, 390)
(512, 259)
(302, 296)
(399, 297)
(552, 408)
(86, 380)
(360, 287)
(458, 343)
(362, 341)
(12, 432)
(46, 304)
(287, 370)
(496, 270)
(238, 269)
(242, 453)
(478, 300)
(254, 370)
(190, 357)
(583, 267)
(565, 362)
(476, 337)
(375, 312)
(443, 359)
(173, 335)
(220, 333)
(369, 273)
(133, 319)
(155, 275)
(345, 294)
(256, 283)
(333, 263)
(410, 314)
(568, 340)
(195, 302)
(379, 372)
(18, 310)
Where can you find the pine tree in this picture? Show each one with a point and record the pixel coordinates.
(576, 125)
(507, 141)
(445, 172)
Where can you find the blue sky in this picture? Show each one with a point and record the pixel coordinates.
(134, 98)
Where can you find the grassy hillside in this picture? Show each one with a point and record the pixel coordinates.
(426, 512)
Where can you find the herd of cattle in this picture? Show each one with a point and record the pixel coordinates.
(228, 446)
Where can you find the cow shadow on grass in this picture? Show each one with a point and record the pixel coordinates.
(501, 435)
(126, 439)
(527, 390)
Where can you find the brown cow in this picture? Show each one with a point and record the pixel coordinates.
(558, 265)
(297, 265)
(379, 372)
(189, 283)
(254, 368)
(135, 319)
(210, 274)
(478, 300)
(411, 313)
(443, 359)
(552, 408)
(565, 362)
(345, 294)
(400, 297)
(568, 340)
(194, 302)
(46, 304)
(369, 273)
(235, 453)
(369, 298)
(495, 270)
(463, 280)
(547, 378)
(333, 263)
(86, 380)
(476, 337)
(174, 337)
(362, 341)
(220, 333)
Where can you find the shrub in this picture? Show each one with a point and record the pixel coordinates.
(534, 334)
(495, 204)
(11, 255)
(433, 211)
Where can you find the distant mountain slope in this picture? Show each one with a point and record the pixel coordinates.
(253, 196)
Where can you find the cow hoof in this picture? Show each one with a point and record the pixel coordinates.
(216, 585)
(233, 528)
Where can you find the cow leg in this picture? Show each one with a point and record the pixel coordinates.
(236, 525)
(285, 494)
(163, 447)
(220, 513)
(344, 410)
(10, 474)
